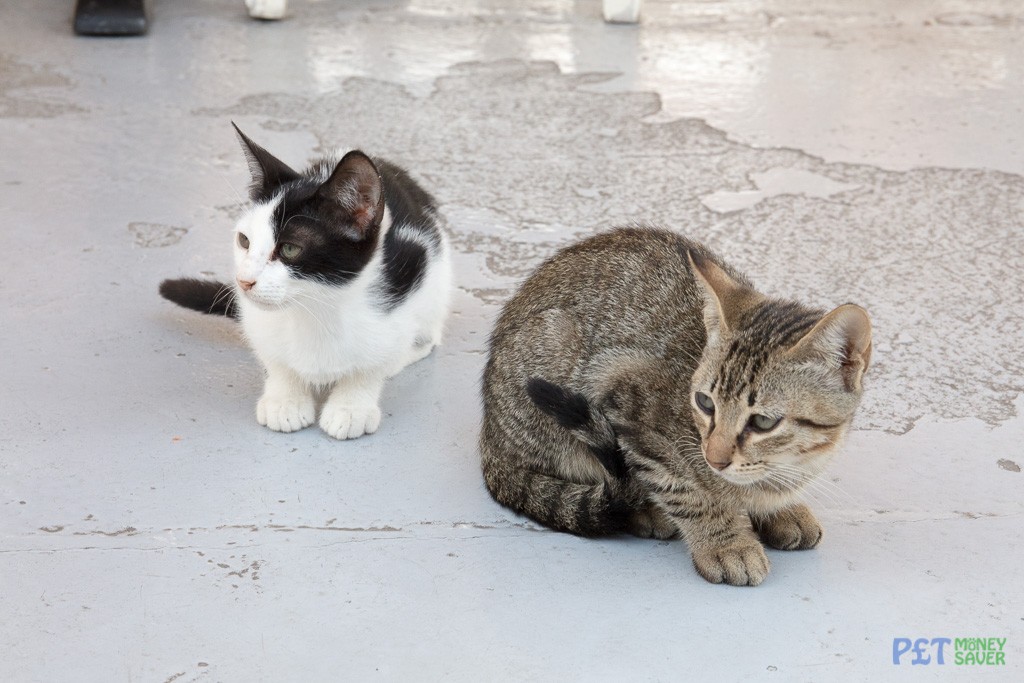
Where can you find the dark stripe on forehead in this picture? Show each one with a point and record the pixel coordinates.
(758, 317)
(771, 326)
(732, 350)
(797, 328)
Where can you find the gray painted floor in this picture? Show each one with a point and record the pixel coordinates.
(152, 531)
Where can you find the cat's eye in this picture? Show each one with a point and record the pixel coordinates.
(243, 241)
(704, 402)
(763, 423)
(289, 250)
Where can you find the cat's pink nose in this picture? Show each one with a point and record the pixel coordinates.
(718, 452)
(246, 284)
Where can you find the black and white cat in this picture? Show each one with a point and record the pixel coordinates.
(342, 278)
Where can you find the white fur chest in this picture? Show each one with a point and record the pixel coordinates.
(324, 341)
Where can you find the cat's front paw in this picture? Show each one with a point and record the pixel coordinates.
(349, 422)
(740, 563)
(285, 413)
(792, 528)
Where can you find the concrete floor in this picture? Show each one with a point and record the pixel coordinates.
(150, 530)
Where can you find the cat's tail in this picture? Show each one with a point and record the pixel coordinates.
(592, 509)
(205, 296)
(597, 508)
(583, 420)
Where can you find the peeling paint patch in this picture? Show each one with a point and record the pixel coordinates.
(1009, 465)
(777, 182)
(17, 76)
(154, 235)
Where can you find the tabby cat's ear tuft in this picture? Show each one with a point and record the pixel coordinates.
(725, 297)
(355, 188)
(268, 172)
(842, 340)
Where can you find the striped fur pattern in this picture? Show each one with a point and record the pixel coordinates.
(636, 383)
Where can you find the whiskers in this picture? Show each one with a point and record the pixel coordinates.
(226, 297)
(296, 298)
(688, 445)
(822, 491)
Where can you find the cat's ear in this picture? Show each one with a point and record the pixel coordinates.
(841, 340)
(267, 171)
(355, 188)
(725, 298)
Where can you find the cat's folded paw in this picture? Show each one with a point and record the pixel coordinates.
(792, 528)
(650, 522)
(741, 563)
(285, 414)
(349, 422)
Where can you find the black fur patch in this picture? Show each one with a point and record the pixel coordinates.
(333, 252)
(613, 459)
(405, 264)
(205, 296)
(570, 409)
(412, 209)
(410, 204)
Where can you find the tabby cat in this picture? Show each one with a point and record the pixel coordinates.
(636, 383)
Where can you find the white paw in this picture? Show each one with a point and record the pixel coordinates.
(267, 9)
(285, 413)
(349, 422)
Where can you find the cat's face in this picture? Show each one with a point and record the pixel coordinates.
(262, 272)
(778, 384)
(305, 232)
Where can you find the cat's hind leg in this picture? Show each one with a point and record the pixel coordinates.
(422, 346)
(352, 407)
(287, 402)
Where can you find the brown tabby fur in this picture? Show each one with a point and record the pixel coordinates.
(614, 336)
